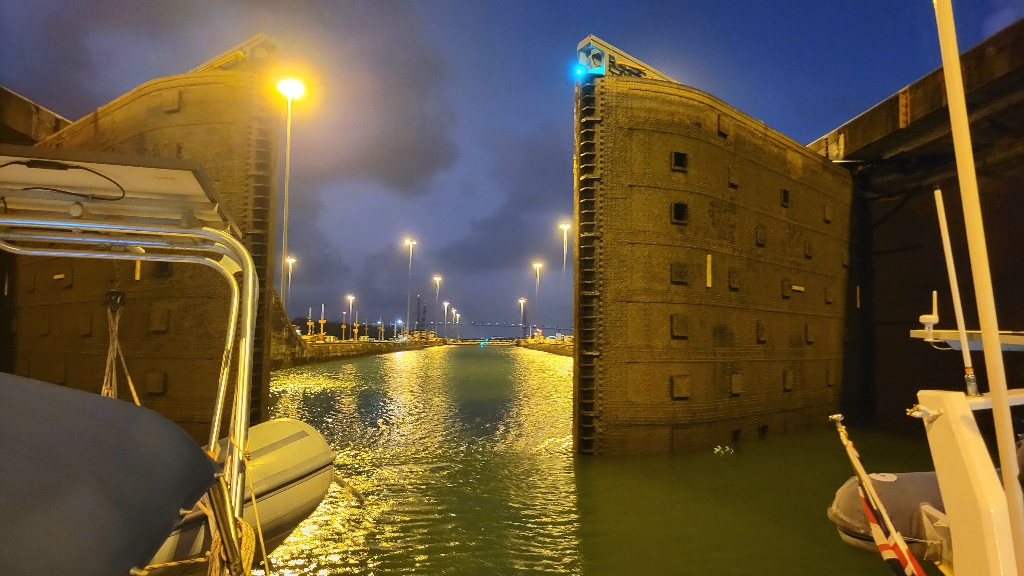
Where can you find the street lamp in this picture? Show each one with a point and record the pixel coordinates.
(457, 317)
(454, 316)
(291, 262)
(292, 89)
(565, 256)
(536, 293)
(398, 326)
(445, 319)
(408, 295)
(350, 298)
(565, 245)
(522, 315)
(437, 295)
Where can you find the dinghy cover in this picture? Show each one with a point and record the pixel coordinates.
(89, 485)
(903, 494)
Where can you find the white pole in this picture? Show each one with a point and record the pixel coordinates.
(981, 272)
(287, 178)
(408, 292)
(969, 378)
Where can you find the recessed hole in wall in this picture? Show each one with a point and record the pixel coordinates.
(164, 269)
(680, 213)
(680, 161)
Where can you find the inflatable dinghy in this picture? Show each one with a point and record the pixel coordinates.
(89, 485)
(291, 467)
(913, 502)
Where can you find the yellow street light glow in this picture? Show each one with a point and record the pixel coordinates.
(291, 88)
(291, 260)
(409, 241)
(350, 298)
(437, 278)
(538, 266)
(565, 226)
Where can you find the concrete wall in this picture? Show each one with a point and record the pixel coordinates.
(558, 349)
(287, 349)
(711, 282)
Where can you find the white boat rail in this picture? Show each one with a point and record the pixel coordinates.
(75, 204)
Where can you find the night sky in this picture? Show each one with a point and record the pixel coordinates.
(452, 121)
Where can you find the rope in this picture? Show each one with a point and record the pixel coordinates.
(143, 572)
(248, 537)
(115, 305)
(256, 514)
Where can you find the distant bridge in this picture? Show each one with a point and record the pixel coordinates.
(518, 326)
(511, 325)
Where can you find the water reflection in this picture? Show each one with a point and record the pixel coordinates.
(463, 456)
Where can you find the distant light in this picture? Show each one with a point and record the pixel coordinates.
(565, 226)
(579, 69)
(291, 88)
(538, 265)
(350, 298)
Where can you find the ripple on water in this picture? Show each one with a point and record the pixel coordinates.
(463, 458)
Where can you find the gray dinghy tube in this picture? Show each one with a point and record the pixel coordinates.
(291, 467)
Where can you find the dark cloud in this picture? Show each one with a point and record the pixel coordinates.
(376, 112)
(535, 170)
(321, 264)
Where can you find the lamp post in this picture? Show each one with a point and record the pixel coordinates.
(291, 262)
(454, 314)
(457, 317)
(536, 293)
(565, 256)
(522, 315)
(437, 296)
(408, 290)
(398, 327)
(445, 319)
(292, 89)
(350, 298)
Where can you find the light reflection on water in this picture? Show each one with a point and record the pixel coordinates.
(463, 455)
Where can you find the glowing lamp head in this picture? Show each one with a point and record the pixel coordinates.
(291, 260)
(522, 301)
(409, 242)
(350, 298)
(537, 266)
(445, 304)
(579, 70)
(437, 278)
(564, 227)
(291, 88)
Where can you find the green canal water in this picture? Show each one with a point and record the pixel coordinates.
(464, 458)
